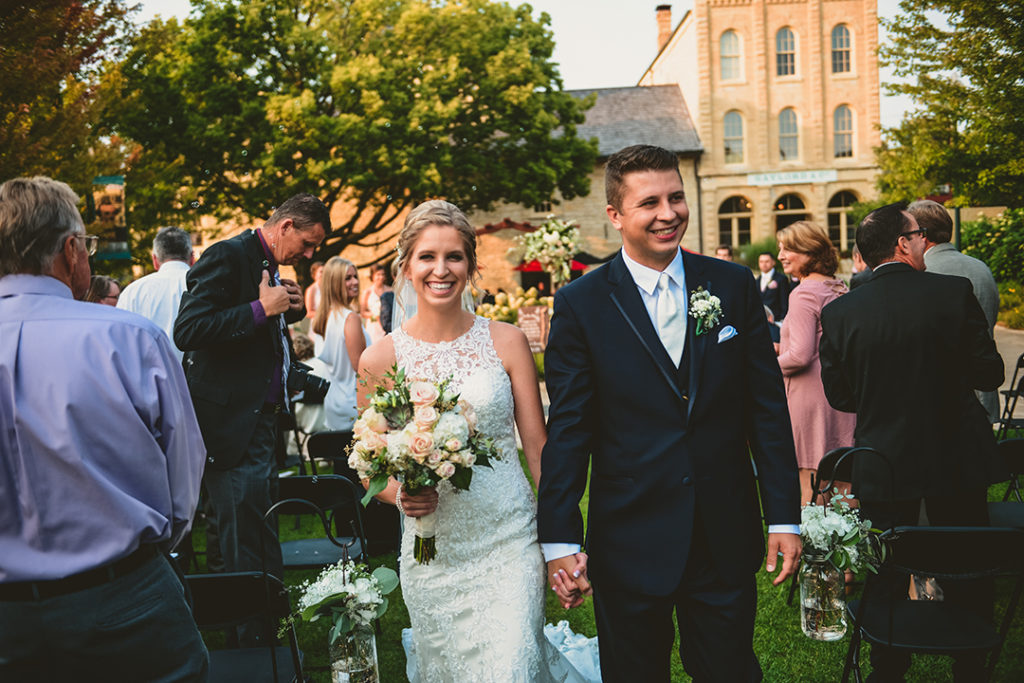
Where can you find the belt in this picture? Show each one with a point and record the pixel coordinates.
(24, 591)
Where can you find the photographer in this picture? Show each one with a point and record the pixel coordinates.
(232, 326)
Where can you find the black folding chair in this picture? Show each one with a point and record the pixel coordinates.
(1009, 513)
(329, 446)
(1006, 419)
(223, 601)
(833, 467)
(335, 501)
(937, 627)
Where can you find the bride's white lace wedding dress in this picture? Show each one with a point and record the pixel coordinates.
(477, 609)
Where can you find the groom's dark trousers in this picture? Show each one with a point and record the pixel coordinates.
(674, 519)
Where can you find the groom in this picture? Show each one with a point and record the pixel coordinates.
(666, 405)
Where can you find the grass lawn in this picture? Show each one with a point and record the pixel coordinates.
(784, 652)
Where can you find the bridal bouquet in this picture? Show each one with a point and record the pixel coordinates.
(350, 594)
(420, 433)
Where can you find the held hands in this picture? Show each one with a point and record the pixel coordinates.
(568, 578)
(275, 300)
(423, 503)
(787, 545)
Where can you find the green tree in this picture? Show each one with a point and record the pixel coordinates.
(379, 103)
(964, 61)
(53, 86)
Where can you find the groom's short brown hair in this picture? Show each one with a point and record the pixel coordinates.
(631, 160)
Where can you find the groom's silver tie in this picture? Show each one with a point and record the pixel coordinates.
(671, 324)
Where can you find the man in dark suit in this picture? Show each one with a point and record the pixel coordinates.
(231, 325)
(774, 286)
(904, 351)
(665, 398)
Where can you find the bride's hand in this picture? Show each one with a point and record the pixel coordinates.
(423, 503)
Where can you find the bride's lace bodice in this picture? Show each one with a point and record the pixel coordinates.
(477, 608)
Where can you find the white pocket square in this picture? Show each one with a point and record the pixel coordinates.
(726, 333)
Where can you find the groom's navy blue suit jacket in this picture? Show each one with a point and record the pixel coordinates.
(661, 455)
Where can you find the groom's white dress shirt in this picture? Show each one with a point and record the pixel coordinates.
(646, 280)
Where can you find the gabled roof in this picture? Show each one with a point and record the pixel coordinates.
(649, 115)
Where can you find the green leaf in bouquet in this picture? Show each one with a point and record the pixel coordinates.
(382, 608)
(462, 478)
(387, 579)
(377, 484)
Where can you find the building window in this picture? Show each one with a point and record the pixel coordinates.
(842, 131)
(785, 53)
(729, 56)
(840, 49)
(734, 217)
(840, 231)
(733, 136)
(789, 136)
(788, 209)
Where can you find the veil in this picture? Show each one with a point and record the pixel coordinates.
(405, 301)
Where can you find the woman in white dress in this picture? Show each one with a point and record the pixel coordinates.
(344, 340)
(477, 609)
(370, 303)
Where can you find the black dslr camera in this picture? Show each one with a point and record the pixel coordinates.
(304, 386)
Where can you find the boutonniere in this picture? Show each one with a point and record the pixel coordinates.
(773, 285)
(706, 309)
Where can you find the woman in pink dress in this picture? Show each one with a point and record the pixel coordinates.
(806, 253)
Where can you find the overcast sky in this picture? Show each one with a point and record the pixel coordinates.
(589, 40)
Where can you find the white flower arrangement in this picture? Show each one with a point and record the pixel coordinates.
(836, 532)
(553, 245)
(422, 434)
(706, 309)
(350, 594)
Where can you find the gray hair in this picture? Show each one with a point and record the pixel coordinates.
(36, 216)
(172, 244)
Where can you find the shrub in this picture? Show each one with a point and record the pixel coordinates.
(999, 243)
(748, 253)
(1011, 305)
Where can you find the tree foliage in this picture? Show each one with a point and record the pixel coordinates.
(964, 61)
(53, 87)
(379, 103)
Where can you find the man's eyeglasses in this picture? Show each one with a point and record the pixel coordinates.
(91, 242)
(919, 231)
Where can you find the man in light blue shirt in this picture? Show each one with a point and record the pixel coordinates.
(100, 463)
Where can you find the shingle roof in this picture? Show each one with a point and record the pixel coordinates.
(650, 115)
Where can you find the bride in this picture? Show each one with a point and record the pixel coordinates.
(477, 609)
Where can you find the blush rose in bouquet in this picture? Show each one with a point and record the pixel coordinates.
(420, 433)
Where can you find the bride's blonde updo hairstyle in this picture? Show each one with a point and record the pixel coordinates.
(440, 213)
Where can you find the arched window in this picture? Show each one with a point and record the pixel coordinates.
(789, 135)
(729, 56)
(734, 217)
(842, 131)
(785, 52)
(840, 231)
(841, 49)
(732, 135)
(788, 209)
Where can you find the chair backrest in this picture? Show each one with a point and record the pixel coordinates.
(228, 599)
(955, 552)
(318, 494)
(328, 445)
(837, 465)
(225, 600)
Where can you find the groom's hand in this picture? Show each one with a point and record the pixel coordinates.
(568, 578)
(789, 547)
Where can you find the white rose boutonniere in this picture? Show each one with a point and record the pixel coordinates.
(706, 309)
